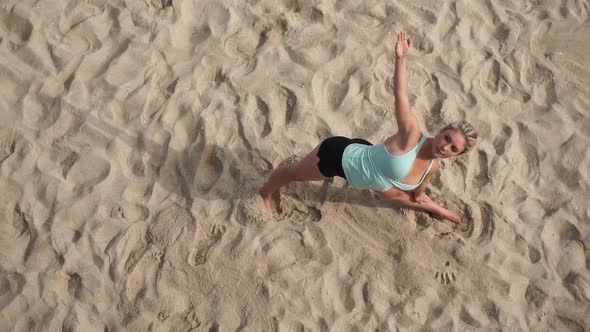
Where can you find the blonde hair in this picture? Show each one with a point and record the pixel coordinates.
(468, 132)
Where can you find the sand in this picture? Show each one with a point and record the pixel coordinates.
(134, 136)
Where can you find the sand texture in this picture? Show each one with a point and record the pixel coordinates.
(134, 136)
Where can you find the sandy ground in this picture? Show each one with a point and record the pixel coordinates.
(135, 135)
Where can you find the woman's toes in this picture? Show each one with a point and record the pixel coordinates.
(267, 203)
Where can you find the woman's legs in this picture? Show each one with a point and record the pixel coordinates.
(304, 170)
(307, 170)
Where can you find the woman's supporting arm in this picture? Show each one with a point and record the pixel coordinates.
(419, 195)
(437, 211)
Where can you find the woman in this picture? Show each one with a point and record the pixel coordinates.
(398, 168)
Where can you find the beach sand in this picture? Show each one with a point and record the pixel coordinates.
(135, 135)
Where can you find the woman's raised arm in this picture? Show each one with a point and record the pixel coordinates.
(406, 120)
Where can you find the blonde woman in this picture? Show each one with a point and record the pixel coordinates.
(398, 168)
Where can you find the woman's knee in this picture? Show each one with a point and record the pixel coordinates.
(297, 175)
(290, 173)
(300, 172)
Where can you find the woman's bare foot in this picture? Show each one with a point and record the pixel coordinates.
(267, 203)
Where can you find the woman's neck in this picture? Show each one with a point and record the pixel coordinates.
(426, 150)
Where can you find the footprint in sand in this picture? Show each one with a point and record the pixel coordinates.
(168, 225)
(81, 11)
(139, 190)
(488, 224)
(535, 296)
(563, 62)
(7, 143)
(87, 172)
(529, 166)
(162, 86)
(446, 275)
(507, 34)
(204, 244)
(192, 319)
(482, 176)
(468, 319)
(209, 169)
(142, 275)
(494, 77)
(421, 43)
(295, 210)
(290, 101)
(15, 28)
(14, 225)
(11, 285)
(40, 111)
(311, 47)
(252, 293)
(257, 115)
(534, 254)
(363, 20)
(124, 211)
(270, 27)
(336, 92)
(158, 4)
(243, 43)
(210, 73)
(500, 142)
(578, 285)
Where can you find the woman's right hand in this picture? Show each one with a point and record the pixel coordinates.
(448, 215)
(403, 45)
(421, 198)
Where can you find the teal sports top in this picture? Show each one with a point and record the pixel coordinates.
(373, 167)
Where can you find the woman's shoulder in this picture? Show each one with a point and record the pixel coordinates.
(404, 142)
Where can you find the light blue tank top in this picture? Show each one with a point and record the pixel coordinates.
(373, 167)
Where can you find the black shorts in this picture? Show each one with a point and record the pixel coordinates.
(330, 154)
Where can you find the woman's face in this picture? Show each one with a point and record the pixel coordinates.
(448, 143)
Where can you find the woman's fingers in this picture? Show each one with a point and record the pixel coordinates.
(403, 44)
(403, 39)
(426, 200)
(401, 36)
(423, 200)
